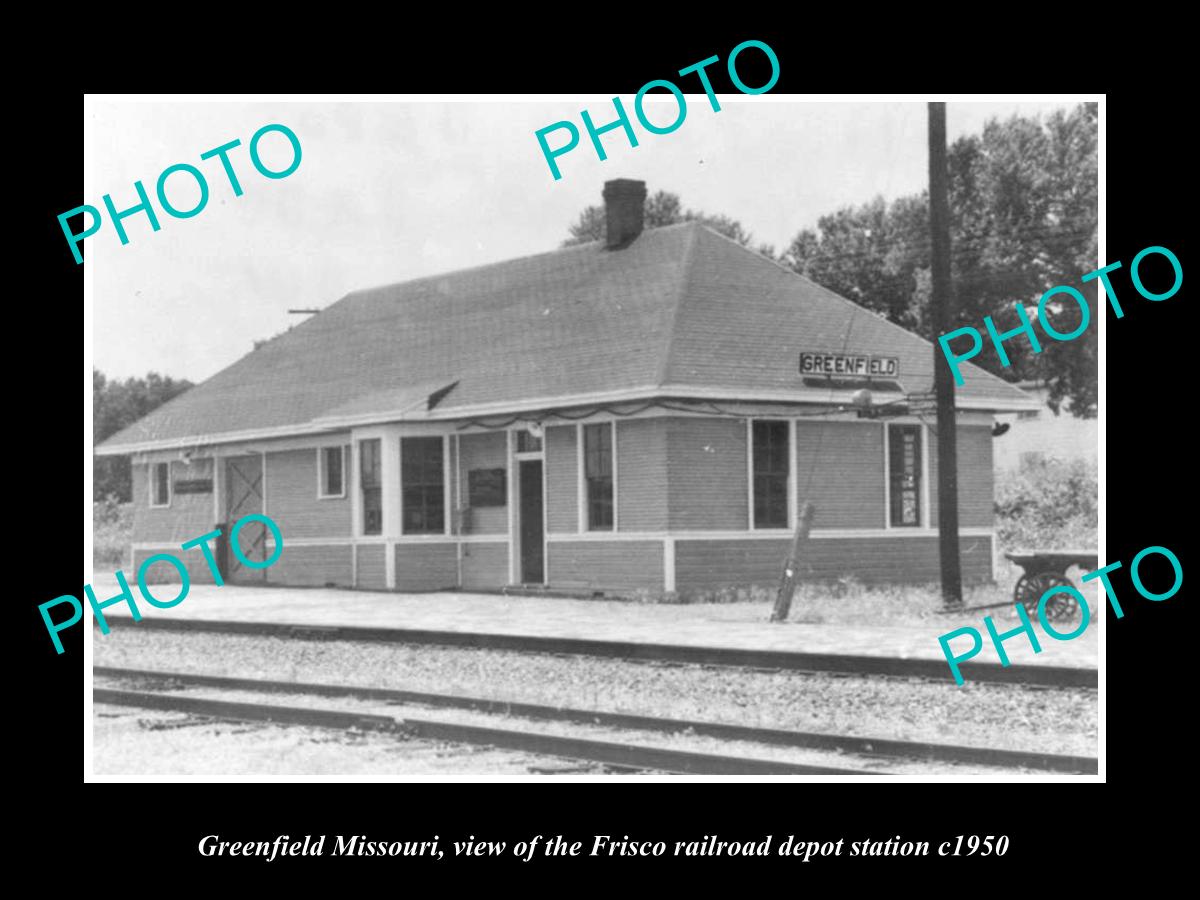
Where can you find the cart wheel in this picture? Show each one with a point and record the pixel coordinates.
(1029, 591)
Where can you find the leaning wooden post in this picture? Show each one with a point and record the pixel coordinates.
(787, 586)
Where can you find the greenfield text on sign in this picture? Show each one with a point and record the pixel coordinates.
(848, 364)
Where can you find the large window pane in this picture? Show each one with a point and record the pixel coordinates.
(770, 440)
(331, 469)
(598, 470)
(422, 478)
(161, 487)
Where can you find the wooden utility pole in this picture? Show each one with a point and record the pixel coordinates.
(787, 585)
(940, 308)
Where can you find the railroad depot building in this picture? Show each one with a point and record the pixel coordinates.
(644, 412)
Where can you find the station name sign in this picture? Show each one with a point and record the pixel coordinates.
(849, 365)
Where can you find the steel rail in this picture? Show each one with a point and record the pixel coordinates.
(863, 746)
(604, 752)
(774, 660)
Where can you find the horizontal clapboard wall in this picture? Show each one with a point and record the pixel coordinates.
(313, 565)
(710, 564)
(372, 566)
(426, 567)
(620, 565)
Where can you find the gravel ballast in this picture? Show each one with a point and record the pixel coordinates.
(1000, 716)
(141, 742)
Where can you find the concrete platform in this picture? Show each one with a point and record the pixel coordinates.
(740, 626)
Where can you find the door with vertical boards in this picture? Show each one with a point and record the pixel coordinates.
(244, 495)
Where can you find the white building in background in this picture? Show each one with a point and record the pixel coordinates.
(1045, 433)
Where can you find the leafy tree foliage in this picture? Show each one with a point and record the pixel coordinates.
(116, 404)
(663, 208)
(1023, 206)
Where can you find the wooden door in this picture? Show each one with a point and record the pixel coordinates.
(244, 495)
(532, 550)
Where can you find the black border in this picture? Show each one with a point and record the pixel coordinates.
(1148, 430)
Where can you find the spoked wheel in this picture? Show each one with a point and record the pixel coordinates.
(1030, 588)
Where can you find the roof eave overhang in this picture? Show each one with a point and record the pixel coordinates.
(808, 397)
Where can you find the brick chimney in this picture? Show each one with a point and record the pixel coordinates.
(624, 211)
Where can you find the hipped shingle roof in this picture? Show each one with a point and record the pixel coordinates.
(682, 311)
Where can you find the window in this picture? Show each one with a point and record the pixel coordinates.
(160, 484)
(598, 471)
(527, 442)
(372, 495)
(330, 478)
(904, 477)
(770, 459)
(423, 483)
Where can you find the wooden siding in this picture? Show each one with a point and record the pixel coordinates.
(562, 474)
(642, 475)
(313, 565)
(605, 565)
(483, 451)
(426, 567)
(372, 567)
(706, 465)
(839, 467)
(706, 565)
(976, 481)
(484, 565)
(292, 498)
(164, 573)
(188, 516)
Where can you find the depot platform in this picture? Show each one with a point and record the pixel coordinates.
(733, 626)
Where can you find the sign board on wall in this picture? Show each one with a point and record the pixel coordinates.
(193, 486)
(486, 487)
(849, 365)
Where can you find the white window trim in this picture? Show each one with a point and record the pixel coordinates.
(887, 477)
(514, 539)
(528, 454)
(580, 483)
(924, 523)
(321, 495)
(153, 479)
(447, 487)
(581, 475)
(791, 485)
(359, 504)
(355, 500)
(546, 516)
(793, 474)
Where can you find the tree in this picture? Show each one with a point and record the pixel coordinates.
(865, 254)
(1023, 209)
(663, 208)
(116, 404)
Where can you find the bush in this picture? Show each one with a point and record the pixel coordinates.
(112, 530)
(1047, 503)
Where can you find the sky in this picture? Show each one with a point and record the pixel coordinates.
(390, 191)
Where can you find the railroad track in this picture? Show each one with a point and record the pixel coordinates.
(875, 748)
(772, 660)
(609, 753)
